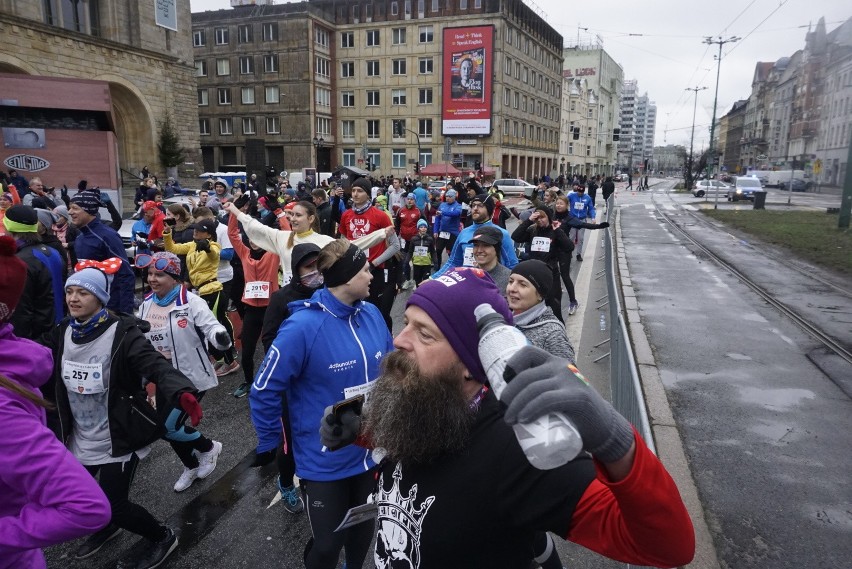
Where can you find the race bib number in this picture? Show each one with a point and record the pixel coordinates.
(86, 379)
(160, 339)
(363, 389)
(444, 235)
(468, 260)
(540, 244)
(256, 289)
(579, 206)
(421, 251)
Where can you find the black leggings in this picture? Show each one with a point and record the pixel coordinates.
(383, 290)
(115, 479)
(326, 504)
(565, 271)
(442, 244)
(554, 299)
(252, 328)
(218, 303)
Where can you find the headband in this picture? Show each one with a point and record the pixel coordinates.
(345, 268)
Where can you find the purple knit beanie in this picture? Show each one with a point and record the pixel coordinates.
(450, 300)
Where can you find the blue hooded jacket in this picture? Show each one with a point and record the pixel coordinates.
(99, 242)
(326, 351)
(508, 258)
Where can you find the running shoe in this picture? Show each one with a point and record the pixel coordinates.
(96, 541)
(579, 257)
(186, 479)
(153, 556)
(242, 390)
(572, 308)
(207, 460)
(228, 369)
(290, 497)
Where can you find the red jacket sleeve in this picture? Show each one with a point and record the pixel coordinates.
(640, 519)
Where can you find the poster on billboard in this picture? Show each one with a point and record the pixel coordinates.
(467, 81)
(165, 14)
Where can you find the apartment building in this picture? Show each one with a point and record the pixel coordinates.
(327, 83)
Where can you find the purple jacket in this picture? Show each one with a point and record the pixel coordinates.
(48, 497)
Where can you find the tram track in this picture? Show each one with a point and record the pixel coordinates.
(808, 327)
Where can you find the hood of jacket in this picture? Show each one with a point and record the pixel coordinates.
(322, 299)
(24, 361)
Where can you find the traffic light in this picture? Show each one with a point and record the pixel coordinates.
(616, 134)
(477, 165)
(369, 164)
(417, 167)
(576, 133)
(398, 129)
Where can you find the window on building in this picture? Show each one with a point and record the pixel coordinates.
(270, 31)
(226, 126)
(224, 95)
(570, 148)
(524, 103)
(273, 125)
(507, 97)
(517, 70)
(425, 65)
(507, 66)
(245, 34)
(246, 65)
(223, 66)
(398, 97)
(425, 96)
(349, 157)
(221, 36)
(323, 125)
(425, 158)
(272, 95)
(421, 7)
(204, 127)
(323, 97)
(347, 129)
(347, 69)
(203, 98)
(398, 158)
(373, 98)
(509, 35)
(427, 34)
(394, 9)
(322, 66)
(199, 38)
(399, 66)
(347, 99)
(373, 38)
(398, 128)
(515, 129)
(201, 68)
(247, 95)
(462, 4)
(424, 128)
(270, 63)
(347, 39)
(407, 5)
(434, 5)
(588, 151)
(477, 4)
(248, 125)
(375, 157)
(398, 35)
(589, 112)
(321, 36)
(505, 126)
(516, 100)
(373, 68)
(373, 129)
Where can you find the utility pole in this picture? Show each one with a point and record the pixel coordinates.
(846, 201)
(688, 180)
(720, 42)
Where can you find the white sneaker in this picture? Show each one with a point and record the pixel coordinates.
(186, 479)
(207, 460)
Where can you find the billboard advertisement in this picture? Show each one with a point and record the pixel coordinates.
(467, 81)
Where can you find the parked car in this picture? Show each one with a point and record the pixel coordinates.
(798, 185)
(437, 185)
(710, 187)
(126, 234)
(513, 186)
(744, 188)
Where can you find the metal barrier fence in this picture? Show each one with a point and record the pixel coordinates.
(624, 375)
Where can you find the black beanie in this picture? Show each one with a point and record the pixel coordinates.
(486, 201)
(547, 211)
(538, 273)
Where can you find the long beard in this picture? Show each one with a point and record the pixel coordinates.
(417, 417)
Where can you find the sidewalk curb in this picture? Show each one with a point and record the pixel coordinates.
(666, 435)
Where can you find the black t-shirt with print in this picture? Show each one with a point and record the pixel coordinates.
(478, 508)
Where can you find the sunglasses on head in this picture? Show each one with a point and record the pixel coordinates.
(143, 261)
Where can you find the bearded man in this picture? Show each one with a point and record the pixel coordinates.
(455, 488)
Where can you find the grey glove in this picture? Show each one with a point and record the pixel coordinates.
(539, 383)
(337, 432)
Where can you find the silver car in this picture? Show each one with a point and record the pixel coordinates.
(703, 188)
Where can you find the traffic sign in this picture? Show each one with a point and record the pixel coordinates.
(817, 166)
(724, 168)
(446, 156)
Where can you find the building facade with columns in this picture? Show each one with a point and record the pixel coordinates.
(327, 83)
(146, 68)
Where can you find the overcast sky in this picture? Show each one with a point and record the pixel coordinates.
(668, 56)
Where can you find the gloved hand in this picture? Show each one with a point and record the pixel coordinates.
(263, 458)
(202, 245)
(222, 339)
(604, 224)
(539, 383)
(190, 404)
(336, 433)
(170, 221)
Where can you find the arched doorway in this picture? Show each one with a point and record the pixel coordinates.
(11, 64)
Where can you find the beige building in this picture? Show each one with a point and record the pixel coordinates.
(148, 67)
(328, 83)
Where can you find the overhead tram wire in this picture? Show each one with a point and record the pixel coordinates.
(763, 21)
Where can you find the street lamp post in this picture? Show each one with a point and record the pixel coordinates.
(720, 42)
(695, 90)
(319, 142)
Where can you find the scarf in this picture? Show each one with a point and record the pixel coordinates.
(361, 210)
(61, 233)
(168, 299)
(80, 330)
(528, 316)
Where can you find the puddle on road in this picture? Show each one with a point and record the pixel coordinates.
(753, 317)
(779, 399)
(739, 357)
